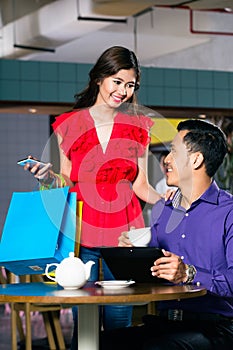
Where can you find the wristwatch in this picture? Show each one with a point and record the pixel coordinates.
(190, 273)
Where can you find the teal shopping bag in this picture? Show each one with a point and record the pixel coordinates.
(40, 228)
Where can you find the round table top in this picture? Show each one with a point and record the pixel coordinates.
(47, 293)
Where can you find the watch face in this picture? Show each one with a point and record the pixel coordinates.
(190, 272)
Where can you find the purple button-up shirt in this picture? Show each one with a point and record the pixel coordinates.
(201, 236)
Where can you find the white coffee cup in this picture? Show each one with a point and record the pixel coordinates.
(140, 237)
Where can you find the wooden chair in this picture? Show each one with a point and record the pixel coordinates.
(51, 321)
(50, 317)
(151, 308)
(2, 277)
(3, 280)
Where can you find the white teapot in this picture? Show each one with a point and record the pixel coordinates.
(71, 273)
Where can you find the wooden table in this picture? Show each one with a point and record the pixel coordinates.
(90, 297)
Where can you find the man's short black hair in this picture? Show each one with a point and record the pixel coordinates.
(206, 138)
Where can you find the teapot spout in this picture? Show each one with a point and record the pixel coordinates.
(88, 266)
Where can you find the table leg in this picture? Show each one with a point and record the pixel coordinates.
(88, 327)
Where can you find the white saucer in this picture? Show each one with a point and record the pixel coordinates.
(116, 284)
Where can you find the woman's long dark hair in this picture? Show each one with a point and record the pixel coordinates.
(109, 63)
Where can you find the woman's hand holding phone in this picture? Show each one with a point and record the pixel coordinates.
(39, 169)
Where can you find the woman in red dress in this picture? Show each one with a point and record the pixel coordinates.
(103, 145)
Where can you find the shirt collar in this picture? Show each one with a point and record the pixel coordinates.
(210, 195)
(177, 199)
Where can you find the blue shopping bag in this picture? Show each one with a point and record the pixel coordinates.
(40, 228)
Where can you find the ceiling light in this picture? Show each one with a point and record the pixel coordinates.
(32, 110)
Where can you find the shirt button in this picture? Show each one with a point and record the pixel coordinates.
(182, 257)
(187, 214)
(183, 235)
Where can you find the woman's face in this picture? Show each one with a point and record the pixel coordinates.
(117, 88)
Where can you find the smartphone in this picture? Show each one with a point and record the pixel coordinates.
(30, 161)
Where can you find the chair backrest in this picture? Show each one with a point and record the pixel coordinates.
(79, 214)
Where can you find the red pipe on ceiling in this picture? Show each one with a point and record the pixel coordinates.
(191, 25)
(196, 31)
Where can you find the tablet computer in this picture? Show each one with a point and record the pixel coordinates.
(132, 263)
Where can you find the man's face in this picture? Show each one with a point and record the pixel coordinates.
(178, 165)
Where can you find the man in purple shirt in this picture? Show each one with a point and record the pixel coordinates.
(195, 231)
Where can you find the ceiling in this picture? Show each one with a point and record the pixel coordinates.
(79, 30)
(194, 34)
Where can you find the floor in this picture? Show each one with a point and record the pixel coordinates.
(38, 331)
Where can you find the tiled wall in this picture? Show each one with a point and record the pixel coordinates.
(58, 82)
(20, 135)
(186, 88)
(41, 81)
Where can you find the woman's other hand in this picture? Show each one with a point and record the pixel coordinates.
(169, 194)
(123, 240)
